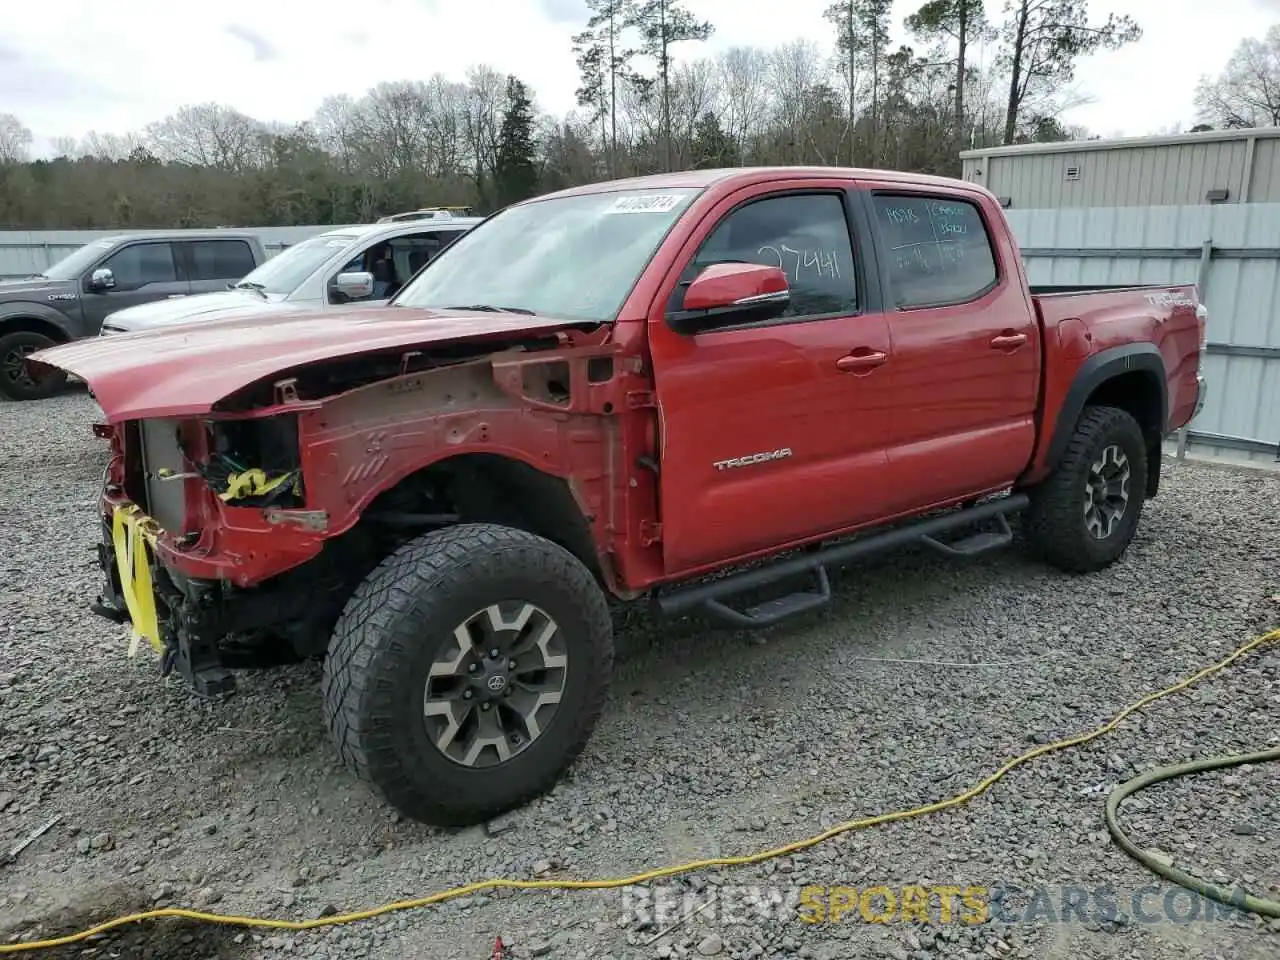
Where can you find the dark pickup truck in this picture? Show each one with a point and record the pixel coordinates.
(69, 300)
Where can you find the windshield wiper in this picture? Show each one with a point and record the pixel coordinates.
(490, 308)
(250, 285)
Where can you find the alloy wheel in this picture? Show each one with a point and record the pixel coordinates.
(495, 684)
(1106, 492)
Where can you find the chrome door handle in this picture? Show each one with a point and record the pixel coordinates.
(175, 296)
(861, 362)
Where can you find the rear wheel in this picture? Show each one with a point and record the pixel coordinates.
(468, 671)
(1083, 517)
(16, 382)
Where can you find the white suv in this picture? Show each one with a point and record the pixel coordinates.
(351, 265)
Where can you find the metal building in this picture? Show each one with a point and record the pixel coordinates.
(1217, 166)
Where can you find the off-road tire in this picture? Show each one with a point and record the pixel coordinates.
(11, 389)
(1054, 524)
(375, 672)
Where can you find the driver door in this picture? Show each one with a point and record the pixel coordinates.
(769, 434)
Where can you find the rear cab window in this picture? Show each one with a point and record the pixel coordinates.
(939, 250)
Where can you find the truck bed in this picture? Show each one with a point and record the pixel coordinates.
(1080, 322)
(1052, 290)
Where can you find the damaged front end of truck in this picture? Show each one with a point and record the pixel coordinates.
(249, 491)
(184, 501)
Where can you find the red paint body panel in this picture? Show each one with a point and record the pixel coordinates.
(1080, 325)
(963, 401)
(847, 421)
(186, 371)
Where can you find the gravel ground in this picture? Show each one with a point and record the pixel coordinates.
(715, 743)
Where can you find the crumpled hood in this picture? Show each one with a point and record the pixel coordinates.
(187, 370)
(199, 308)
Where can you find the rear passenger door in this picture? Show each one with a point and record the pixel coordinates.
(966, 345)
(141, 272)
(213, 264)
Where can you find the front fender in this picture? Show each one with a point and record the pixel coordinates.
(65, 325)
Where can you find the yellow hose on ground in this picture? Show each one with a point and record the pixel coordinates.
(504, 882)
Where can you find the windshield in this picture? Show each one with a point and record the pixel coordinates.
(287, 269)
(72, 266)
(574, 257)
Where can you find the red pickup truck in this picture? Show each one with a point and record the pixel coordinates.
(614, 392)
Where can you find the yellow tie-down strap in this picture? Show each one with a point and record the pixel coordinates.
(132, 561)
(254, 483)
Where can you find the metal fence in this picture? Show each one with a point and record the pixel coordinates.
(24, 252)
(1231, 250)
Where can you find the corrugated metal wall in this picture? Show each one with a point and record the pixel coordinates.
(24, 252)
(1240, 272)
(1133, 175)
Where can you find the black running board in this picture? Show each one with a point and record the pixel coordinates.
(711, 597)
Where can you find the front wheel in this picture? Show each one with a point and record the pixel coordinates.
(1085, 513)
(16, 382)
(468, 671)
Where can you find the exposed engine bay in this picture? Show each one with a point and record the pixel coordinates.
(253, 463)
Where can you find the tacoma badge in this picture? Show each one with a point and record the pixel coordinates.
(753, 458)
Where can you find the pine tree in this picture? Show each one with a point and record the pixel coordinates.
(604, 64)
(662, 23)
(517, 168)
(963, 22)
(1043, 40)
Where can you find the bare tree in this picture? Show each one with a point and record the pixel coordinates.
(1247, 92)
(15, 140)
(206, 135)
(392, 123)
(796, 70)
(482, 111)
(337, 125)
(110, 146)
(743, 103)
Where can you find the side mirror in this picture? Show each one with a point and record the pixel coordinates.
(101, 279)
(354, 286)
(732, 293)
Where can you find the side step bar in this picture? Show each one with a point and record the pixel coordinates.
(711, 597)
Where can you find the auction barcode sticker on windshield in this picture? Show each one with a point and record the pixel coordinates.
(645, 203)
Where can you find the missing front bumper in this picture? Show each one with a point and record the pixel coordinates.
(139, 592)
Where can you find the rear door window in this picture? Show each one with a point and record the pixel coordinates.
(220, 259)
(938, 248)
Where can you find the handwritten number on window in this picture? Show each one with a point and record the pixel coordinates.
(806, 262)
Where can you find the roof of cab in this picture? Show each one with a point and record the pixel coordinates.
(401, 226)
(206, 233)
(734, 177)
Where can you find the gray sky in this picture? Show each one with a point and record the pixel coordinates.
(80, 65)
